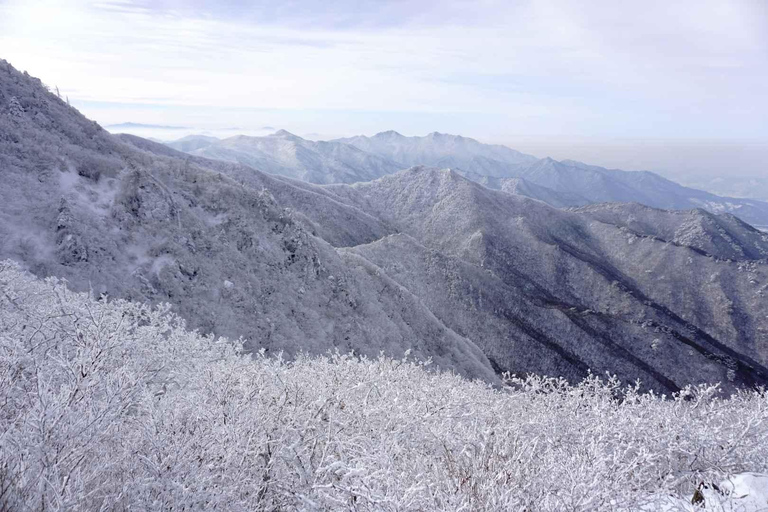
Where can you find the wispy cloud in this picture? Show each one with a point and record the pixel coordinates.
(693, 68)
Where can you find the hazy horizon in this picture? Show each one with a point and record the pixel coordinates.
(679, 89)
(703, 164)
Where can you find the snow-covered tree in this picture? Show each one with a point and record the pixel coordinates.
(15, 109)
(113, 405)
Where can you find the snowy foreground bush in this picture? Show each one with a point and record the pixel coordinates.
(115, 406)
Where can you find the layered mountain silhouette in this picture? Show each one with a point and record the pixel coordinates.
(482, 281)
(562, 184)
(565, 183)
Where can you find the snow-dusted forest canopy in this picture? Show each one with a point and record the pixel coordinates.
(114, 405)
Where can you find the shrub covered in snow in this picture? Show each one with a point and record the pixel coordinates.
(112, 405)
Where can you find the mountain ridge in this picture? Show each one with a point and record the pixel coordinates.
(579, 182)
(566, 183)
(479, 280)
(109, 216)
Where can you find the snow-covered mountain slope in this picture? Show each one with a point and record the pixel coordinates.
(566, 183)
(523, 187)
(81, 204)
(722, 236)
(646, 293)
(662, 296)
(333, 219)
(557, 292)
(289, 155)
(423, 259)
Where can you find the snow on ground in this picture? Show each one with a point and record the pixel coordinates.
(743, 492)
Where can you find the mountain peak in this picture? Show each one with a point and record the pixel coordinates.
(441, 135)
(444, 172)
(285, 134)
(389, 134)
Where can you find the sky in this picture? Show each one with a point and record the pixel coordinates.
(633, 84)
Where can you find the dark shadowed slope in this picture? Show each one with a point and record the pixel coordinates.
(592, 293)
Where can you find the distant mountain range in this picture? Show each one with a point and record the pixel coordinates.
(564, 183)
(289, 155)
(481, 281)
(444, 151)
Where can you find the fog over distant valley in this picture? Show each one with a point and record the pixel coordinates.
(736, 168)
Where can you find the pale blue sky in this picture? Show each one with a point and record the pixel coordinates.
(528, 72)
